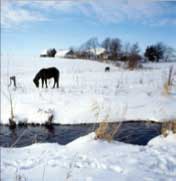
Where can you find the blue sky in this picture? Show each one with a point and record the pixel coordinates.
(28, 27)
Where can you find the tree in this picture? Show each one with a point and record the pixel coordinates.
(106, 44)
(134, 57)
(134, 49)
(51, 52)
(150, 53)
(71, 53)
(169, 54)
(90, 46)
(94, 44)
(131, 53)
(126, 49)
(115, 48)
(160, 48)
(156, 52)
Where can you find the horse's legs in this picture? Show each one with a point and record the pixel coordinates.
(57, 83)
(42, 82)
(46, 83)
(54, 84)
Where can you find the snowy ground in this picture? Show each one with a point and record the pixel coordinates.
(86, 93)
(87, 159)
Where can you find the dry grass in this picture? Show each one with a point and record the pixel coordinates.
(133, 61)
(170, 76)
(107, 131)
(174, 127)
(167, 85)
(166, 88)
(167, 127)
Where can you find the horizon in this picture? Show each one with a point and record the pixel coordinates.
(30, 27)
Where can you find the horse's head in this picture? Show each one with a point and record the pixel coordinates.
(36, 82)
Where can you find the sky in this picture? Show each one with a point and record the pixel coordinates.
(30, 26)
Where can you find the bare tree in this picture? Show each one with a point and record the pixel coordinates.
(115, 48)
(134, 56)
(169, 53)
(126, 49)
(125, 52)
(90, 46)
(134, 49)
(106, 44)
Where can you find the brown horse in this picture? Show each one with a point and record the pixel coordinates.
(45, 74)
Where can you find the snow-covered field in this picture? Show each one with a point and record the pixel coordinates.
(87, 93)
(87, 159)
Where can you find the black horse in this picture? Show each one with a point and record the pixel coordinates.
(45, 74)
(107, 69)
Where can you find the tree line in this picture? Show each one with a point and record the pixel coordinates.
(115, 50)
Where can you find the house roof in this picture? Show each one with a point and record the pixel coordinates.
(98, 51)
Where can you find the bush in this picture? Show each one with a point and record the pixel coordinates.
(133, 61)
(156, 52)
(51, 52)
(167, 127)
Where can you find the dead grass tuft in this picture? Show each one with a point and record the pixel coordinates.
(174, 126)
(107, 131)
(167, 127)
(167, 85)
(166, 88)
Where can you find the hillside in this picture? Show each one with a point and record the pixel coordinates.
(87, 93)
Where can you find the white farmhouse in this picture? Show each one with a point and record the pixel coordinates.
(61, 53)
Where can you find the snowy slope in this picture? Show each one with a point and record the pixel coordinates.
(92, 160)
(86, 93)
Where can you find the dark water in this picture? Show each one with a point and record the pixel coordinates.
(130, 132)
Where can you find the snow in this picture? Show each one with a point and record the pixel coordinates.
(91, 160)
(87, 93)
(44, 52)
(61, 53)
